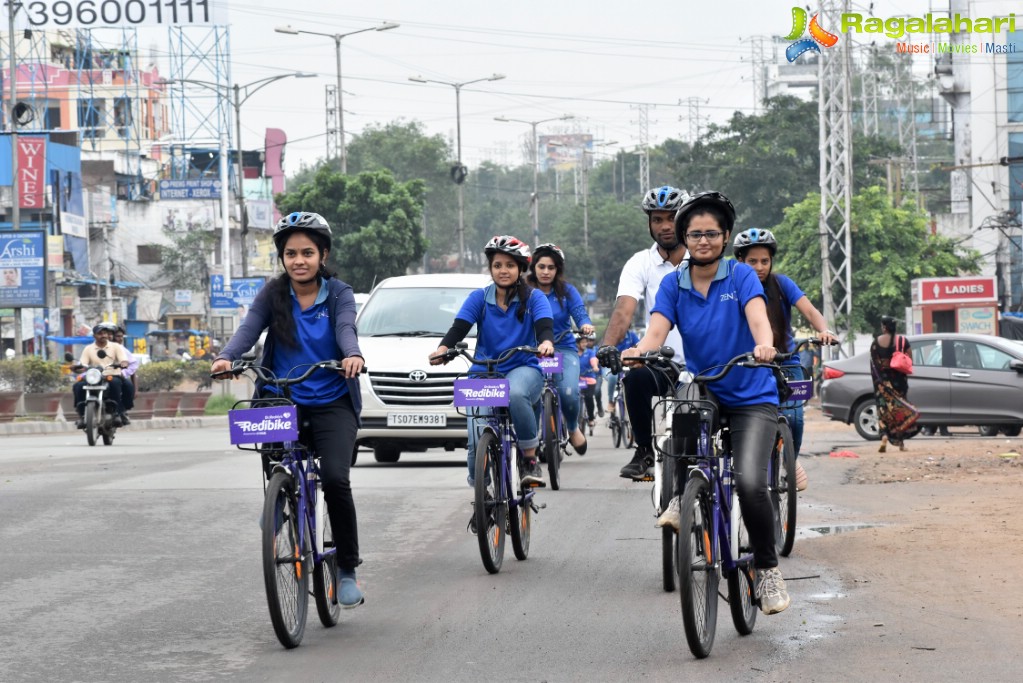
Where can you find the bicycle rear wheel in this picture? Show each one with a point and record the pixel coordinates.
(325, 580)
(520, 526)
(669, 569)
(627, 435)
(616, 431)
(783, 490)
(284, 568)
(491, 509)
(697, 573)
(550, 445)
(741, 581)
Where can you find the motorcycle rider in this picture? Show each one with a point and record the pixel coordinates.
(114, 359)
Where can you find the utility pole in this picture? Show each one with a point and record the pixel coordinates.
(836, 157)
(12, 83)
(644, 144)
(333, 129)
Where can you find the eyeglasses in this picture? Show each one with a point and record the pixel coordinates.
(711, 235)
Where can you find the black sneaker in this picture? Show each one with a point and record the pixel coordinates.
(124, 420)
(641, 461)
(471, 528)
(532, 475)
(80, 423)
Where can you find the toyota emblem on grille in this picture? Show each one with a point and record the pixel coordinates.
(417, 375)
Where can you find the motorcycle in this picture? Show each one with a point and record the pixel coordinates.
(101, 414)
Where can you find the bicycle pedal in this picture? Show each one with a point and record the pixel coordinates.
(645, 479)
(537, 508)
(537, 484)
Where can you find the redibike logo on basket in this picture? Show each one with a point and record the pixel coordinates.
(474, 392)
(260, 425)
(266, 424)
(485, 392)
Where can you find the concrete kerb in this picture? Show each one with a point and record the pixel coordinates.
(58, 426)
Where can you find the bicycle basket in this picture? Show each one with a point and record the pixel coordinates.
(552, 365)
(264, 421)
(678, 433)
(800, 385)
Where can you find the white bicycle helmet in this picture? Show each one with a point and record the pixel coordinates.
(300, 220)
(508, 244)
(665, 198)
(552, 250)
(754, 237)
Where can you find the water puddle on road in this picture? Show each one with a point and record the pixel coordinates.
(832, 529)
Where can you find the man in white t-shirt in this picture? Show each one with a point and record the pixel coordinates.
(640, 279)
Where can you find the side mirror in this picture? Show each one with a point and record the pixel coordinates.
(667, 352)
(461, 346)
(249, 356)
(1016, 365)
(69, 358)
(101, 353)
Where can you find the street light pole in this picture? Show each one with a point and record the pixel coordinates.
(386, 26)
(535, 201)
(458, 173)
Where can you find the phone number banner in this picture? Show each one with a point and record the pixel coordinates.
(106, 13)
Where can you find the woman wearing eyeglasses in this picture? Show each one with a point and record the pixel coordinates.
(720, 310)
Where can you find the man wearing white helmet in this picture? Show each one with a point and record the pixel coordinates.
(640, 279)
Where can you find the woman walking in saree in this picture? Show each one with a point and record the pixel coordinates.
(896, 416)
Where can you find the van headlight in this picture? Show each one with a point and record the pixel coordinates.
(93, 376)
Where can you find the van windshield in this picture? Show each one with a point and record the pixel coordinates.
(412, 312)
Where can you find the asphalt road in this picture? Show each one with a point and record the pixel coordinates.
(141, 562)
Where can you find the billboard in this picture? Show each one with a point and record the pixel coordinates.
(242, 291)
(32, 172)
(22, 269)
(62, 14)
(564, 152)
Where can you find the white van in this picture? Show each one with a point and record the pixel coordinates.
(407, 404)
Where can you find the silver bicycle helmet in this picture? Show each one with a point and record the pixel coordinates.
(700, 201)
(508, 244)
(754, 237)
(665, 198)
(300, 220)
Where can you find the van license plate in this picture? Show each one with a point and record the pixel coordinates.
(417, 420)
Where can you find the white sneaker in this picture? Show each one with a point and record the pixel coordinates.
(671, 516)
(771, 591)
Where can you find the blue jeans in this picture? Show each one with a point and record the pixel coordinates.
(568, 387)
(794, 415)
(525, 384)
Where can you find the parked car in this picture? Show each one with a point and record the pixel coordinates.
(360, 300)
(407, 404)
(957, 380)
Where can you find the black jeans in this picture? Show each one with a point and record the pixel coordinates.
(112, 394)
(641, 386)
(587, 396)
(330, 430)
(753, 430)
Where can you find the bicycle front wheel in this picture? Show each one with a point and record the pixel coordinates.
(520, 525)
(783, 494)
(550, 446)
(741, 582)
(627, 436)
(697, 573)
(284, 568)
(325, 580)
(491, 509)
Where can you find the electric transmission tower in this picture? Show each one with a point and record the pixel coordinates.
(868, 90)
(905, 99)
(333, 125)
(836, 175)
(644, 144)
(694, 118)
(759, 62)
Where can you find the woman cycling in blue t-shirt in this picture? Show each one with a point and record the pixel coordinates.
(756, 248)
(310, 317)
(507, 314)
(589, 371)
(720, 311)
(547, 274)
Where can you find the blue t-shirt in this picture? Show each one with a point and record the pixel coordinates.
(790, 294)
(631, 339)
(714, 329)
(315, 339)
(501, 330)
(585, 364)
(564, 312)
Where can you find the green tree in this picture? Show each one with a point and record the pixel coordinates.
(890, 247)
(375, 221)
(185, 261)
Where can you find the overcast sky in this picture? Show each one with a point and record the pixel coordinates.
(596, 60)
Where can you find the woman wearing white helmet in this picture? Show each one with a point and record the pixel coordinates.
(508, 313)
(756, 248)
(310, 315)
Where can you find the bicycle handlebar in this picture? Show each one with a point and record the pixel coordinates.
(800, 343)
(241, 365)
(460, 350)
(578, 333)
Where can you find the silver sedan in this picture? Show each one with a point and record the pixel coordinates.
(958, 379)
